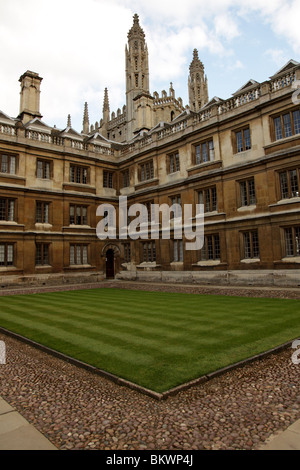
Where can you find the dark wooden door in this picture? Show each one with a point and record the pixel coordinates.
(110, 270)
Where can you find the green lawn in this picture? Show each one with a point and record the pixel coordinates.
(158, 340)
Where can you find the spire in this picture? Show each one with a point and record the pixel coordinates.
(69, 121)
(136, 32)
(86, 122)
(106, 101)
(196, 62)
(198, 92)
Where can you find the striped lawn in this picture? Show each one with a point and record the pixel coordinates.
(157, 340)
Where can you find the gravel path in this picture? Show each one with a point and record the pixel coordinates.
(76, 409)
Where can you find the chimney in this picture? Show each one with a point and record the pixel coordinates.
(30, 96)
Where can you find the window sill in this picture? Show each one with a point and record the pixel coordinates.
(250, 260)
(4, 269)
(210, 262)
(8, 222)
(243, 152)
(291, 259)
(289, 200)
(148, 265)
(251, 207)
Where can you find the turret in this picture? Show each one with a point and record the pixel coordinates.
(86, 121)
(30, 96)
(197, 83)
(137, 79)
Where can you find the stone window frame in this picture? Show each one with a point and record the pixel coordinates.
(148, 251)
(281, 128)
(288, 187)
(211, 249)
(250, 248)
(199, 156)
(44, 169)
(146, 170)
(108, 179)
(293, 250)
(8, 217)
(44, 211)
(42, 254)
(79, 255)
(79, 174)
(249, 196)
(173, 162)
(12, 163)
(4, 250)
(83, 218)
(244, 140)
(208, 202)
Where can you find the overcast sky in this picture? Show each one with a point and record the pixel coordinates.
(78, 47)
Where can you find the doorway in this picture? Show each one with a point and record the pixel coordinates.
(110, 264)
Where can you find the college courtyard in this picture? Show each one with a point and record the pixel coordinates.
(75, 408)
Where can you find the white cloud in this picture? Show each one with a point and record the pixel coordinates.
(78, 47)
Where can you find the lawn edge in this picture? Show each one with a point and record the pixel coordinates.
(131, 385)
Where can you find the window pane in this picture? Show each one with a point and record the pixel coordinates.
(198, 155)
(284, 188)
(78, 254)
(217, 247)
(39, 212)
(78, 215)
(10, 255)
(207, 200)
(287, 125)
(251, 190)
(247, 139)
(244, 198)
(180, 250)
(294, 183)
(46, 254)
(211, 150)
(278, 128)
(289, 248)
(214, 205)
(72, 215)
(296, 118)
(239, 142)
(72, 174)
(175, 257)
(46, 213)
(84, 255)
(11, 210)
(204, 152)
(297, 241)
(72, 254)
(47, 170)
(247, 245)
(2, 255)
(84, 216)
(12, 165)
(2, 209)
(38, 254)
(4, 164)
(255, 246)
(210, 252)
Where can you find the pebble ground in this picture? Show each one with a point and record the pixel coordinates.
(76, 409)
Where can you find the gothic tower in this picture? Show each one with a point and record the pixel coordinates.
(197, 82)
(138, 99)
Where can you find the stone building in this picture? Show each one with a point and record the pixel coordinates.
(239, 157)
